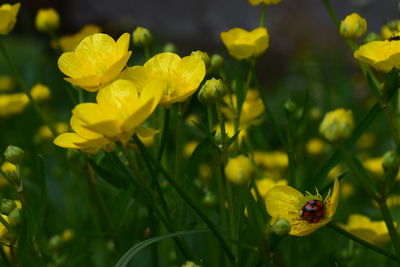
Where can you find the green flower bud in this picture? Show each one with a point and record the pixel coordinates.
(211, 91)
(141, 37)
(203, 56)
(169, 47)
(337, 125)
(290, 106)
(190, 264)
(55, 242)
(353, 26)
(390, 160)
(15, 217)
(14, 154)
(282, 227)
(372, 36)
(217, 61)
(7, 206)
(209, 199)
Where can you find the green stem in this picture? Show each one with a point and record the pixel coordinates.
(331, 13)
(362, 242)
(23, 86)
(210, 119)
(187, 198)
(387, 216)
(164, 135)
(146, 52)
(262, 17)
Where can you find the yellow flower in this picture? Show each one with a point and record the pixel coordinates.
(252, 108)
(243, 44)
(119, 111)
(7, 168)
(44, 133)
(393, 200)
(146, 135)
(382, 55)
(12, 104)
(367, 140)
(189, 148)
(230, 131)
(47, 20)
(305, 213)
(337, 125)
(96, 61)
(271, 160)
(70, 42)
(374, 165)
(40, 92)
(374, 232)
(265, 2)
(7, 83)
(265, 184)
(8, 17)
(239, 170)
(181, 76)
(315, 146)
(353, 26)
(390, 29)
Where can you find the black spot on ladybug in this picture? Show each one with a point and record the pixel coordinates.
(313, 211)
(394, 38)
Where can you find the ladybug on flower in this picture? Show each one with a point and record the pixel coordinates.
(305, 213)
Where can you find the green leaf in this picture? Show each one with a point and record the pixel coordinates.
(131, 253)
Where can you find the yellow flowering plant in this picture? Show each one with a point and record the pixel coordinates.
(47, 20)
(8, 17)
(70, 42)
(96, 61)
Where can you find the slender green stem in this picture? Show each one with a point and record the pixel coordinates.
(164, 135)
(362, 242)
(210, 119)
(146, 52)
(262, 16)
(331, 13)
(23, 86)
(221, 196)
(187, 198)
(387, 216)
(221, 122)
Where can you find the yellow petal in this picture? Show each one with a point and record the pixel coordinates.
(68, 140)
(241, 51)
(191, 71)
(163, 63)
(334, 199)
(123, 45)
(261, 39)
(69, 65)
(303, 228)
(282, 200)
(115, 69)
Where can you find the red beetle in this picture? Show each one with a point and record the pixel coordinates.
(313, 211)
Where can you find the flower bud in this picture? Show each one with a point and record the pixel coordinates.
(15, 217)
(353, 26)
(14, 154)
(372, 36)
(190, 264)
(337, 125)
(290, 106)
(67, 235)
(390, 160)
(141, 37)
(240, 170)
(55, 242)
(47, 20)
(211, 91)
(169, 47)
(7, 206)
(216, 61)
(282, 227)
(40, 92)
(209, 199)
(203, 56)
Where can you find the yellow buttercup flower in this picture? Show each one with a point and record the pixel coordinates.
(305, 213)
(271, 160)
(12, 104)
(252, 108)
(119, 111)
(7, 83)
(44, 133)
(239, 170)
(8, 17)
(389, 29)
(315, 146)
(47, 20)
(265, 184)
(374, 232)
(265, 2)
(96, 61)
(181, 76)
(337, 125)
(70, 42)
(243, 44)
(382, 55)
(40, 92)
(353, 26)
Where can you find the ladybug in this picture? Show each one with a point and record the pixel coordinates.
(313, 211)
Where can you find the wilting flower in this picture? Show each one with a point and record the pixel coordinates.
(8, 17)
(374, 232)
(305, 213)
(12, 104)
(70, 42)
(47, 20)
(265, 2)
(120, 109)
(96, 61)
(180, 76)
(239, 170)
(382, 55)
(337, 125)
(353, 26)
(243, 44)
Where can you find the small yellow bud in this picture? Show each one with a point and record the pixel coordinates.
(282, 227)
(337, 125)
(239, 170)
(14, 154)
(211, 91)
(7, 206)
(141, 37)
(67, 235)
(203, 56)
(40, 92)
(47, 20)
(315, 146)
(353, 26)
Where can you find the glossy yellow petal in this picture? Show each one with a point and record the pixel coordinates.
(303, 228)
(68, 140)
(261, 40)
(382, 55)
(70, 42)
(115, 69)
(79, 127)
(123, 45)
(138, 75)
(334, 199)
(281, 201)
(162, 64)
(69, 65)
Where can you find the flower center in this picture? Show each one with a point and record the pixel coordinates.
(313, 211)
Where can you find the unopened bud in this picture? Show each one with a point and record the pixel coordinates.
(372, 36)
(217, 61)
(203, 56)
(290, 106)
(14, 154)
(209, 199)
(211, 91)
(169, 47)
(15, 217)
(67, 235)
(353, 26)
(55, 242)
(337, 125)
(7, 206)
(47, 20)
(390, 160)
(282, 227)
(141, 37)
(190, 264)
(240, 170)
